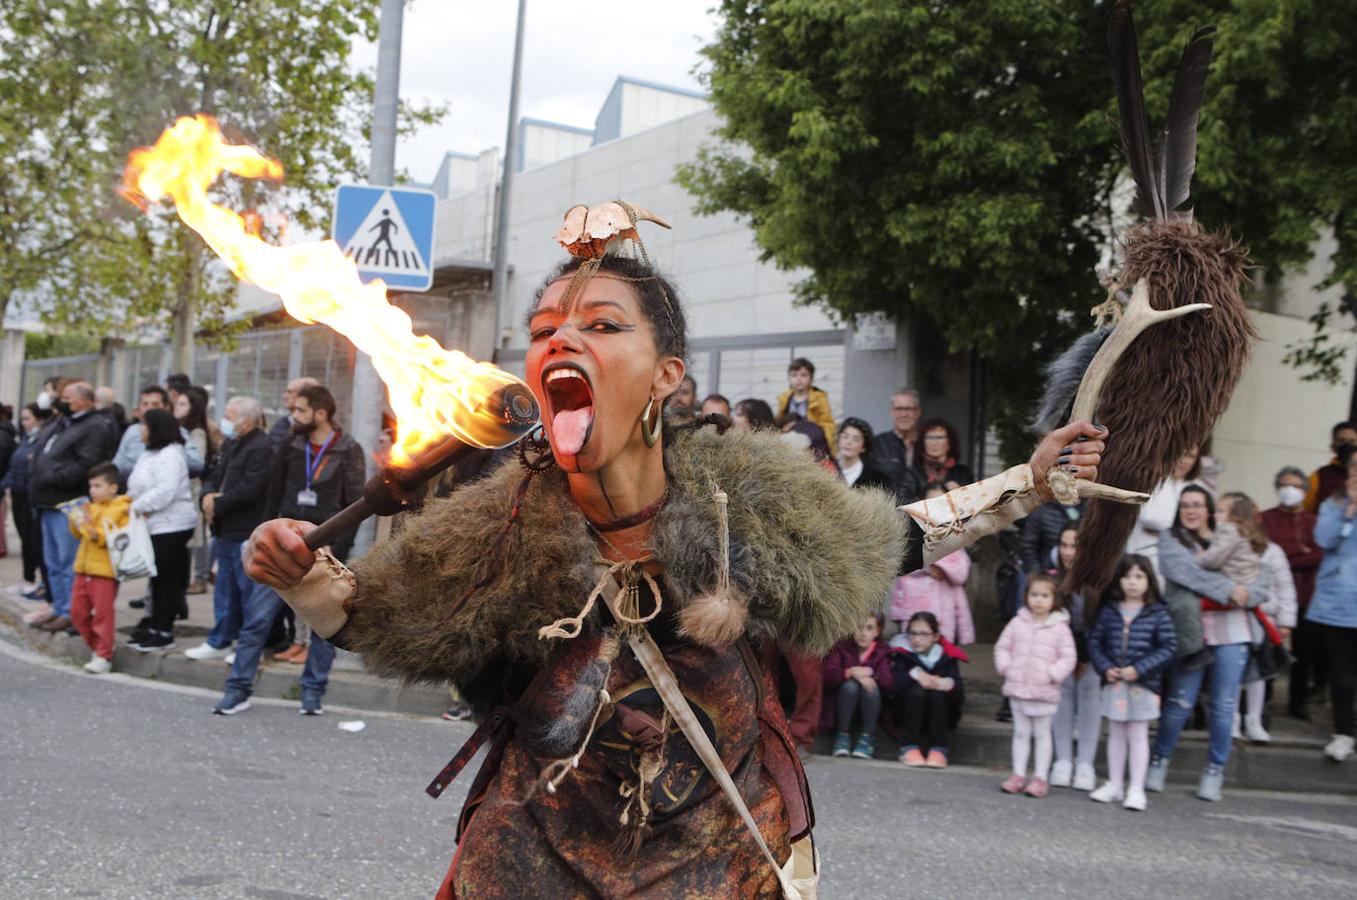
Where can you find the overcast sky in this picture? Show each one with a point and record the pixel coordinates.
(461, 53)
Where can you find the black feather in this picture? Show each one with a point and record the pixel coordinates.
(1135, 123)
(1178, 139)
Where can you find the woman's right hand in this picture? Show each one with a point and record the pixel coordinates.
(277, 555)
(1239, 595)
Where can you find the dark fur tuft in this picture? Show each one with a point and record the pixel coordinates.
(1189, 366)
(1063, 375)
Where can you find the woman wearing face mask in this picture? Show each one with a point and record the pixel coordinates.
(579, 604)
(31, 419)
(1290, 526)
(1218, 640)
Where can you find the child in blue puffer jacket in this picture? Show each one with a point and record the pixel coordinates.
(1130, 643)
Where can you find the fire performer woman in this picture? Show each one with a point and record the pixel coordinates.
(609, 612)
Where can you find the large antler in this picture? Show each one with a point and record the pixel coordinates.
(1138, 316)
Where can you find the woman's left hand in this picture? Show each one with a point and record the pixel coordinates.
(1128, 673)
(1078, 447)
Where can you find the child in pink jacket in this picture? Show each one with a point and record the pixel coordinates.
(1035, 654)
(939, 589)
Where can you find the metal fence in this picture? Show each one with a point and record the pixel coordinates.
(261, 365)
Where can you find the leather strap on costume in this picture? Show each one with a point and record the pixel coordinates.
(492, 724)
(961, 517)
(780, 759)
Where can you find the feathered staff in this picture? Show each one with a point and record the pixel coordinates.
(1160, 397)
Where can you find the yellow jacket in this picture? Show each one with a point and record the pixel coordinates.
(92, 557)
(817, 411)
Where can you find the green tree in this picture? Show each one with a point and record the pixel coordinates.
(114, 73)
(957, 164)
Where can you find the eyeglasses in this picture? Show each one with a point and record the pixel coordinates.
(935, 437)
(904, 409)
(922, 633)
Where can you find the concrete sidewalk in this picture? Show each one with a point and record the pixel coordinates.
(349, 685)
(1292, 762)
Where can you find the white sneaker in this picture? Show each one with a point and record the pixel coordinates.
(207, 651)
(1135, 800)
(98, 666)
(1341, 747)
(1254, 730)
(230, 658)
(1085, 779)
(1061, 773)
(1238, 731)
(1108, 793)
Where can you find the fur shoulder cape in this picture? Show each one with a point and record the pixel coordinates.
(811, 557)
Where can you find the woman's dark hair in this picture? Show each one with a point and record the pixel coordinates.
(1113, 593)
(927, 618)
(863, 428)
(1195, 472)
(197, 414)
(758, 413)
(953, 444)
(161, 429)
(1060, 566)
(42, 415)
(659, 301)
(1190, 539)
(819, 444)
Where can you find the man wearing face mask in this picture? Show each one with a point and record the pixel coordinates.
(233, 502)
(1292, 528)
(1329, 479)
(319, 472)
(67, 448)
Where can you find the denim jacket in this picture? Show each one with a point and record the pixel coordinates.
(1335, 598)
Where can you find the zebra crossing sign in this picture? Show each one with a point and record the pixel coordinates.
(388, 232)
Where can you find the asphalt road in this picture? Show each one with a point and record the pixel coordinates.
(119, 788)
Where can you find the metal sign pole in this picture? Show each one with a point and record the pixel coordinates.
(499, 280)
(365, 422)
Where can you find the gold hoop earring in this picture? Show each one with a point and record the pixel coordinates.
(650, 431)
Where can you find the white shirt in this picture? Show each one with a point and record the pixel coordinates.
(852, 473)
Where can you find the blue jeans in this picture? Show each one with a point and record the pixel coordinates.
(229, 593)
(58, 555)
(1180, 696)
(260, 607)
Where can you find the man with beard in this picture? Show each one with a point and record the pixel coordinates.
(318, 472)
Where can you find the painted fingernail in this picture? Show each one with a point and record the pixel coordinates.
(1073, 470)
(1067, 452)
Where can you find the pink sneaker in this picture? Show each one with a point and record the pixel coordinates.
(912, 758)
(1037, 787)
(936, 759)
(1013, 785)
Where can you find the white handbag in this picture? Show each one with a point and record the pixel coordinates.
(130, 550)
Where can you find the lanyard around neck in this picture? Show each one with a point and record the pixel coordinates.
(313, 467)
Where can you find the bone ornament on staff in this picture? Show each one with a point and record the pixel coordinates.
(1137, 317)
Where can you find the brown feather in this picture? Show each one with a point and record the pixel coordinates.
(1189, 365)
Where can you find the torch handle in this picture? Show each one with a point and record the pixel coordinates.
(347, 519)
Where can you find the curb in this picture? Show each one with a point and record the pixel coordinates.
(349, 688)
(1286, 765)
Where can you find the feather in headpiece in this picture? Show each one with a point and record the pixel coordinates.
(1193, 363)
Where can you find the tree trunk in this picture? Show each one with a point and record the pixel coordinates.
(184, 324)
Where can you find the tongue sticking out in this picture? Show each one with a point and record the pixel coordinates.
(570, 427)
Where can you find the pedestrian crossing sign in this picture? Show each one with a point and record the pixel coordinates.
(388, 232)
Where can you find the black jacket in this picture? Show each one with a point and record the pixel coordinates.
(241, 477)
(960, 473)
(1041, 533)
(67, 449)
(891, 456)
(871, 476)
(338, 481)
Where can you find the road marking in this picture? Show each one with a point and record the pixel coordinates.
(1295, 825)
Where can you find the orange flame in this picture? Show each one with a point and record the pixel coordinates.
(434, 392)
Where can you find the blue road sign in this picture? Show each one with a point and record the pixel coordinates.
(388, 232)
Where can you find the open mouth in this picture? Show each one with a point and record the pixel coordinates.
(571, 406)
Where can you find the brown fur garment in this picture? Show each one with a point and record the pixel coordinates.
(811, 555)
(1173, 382)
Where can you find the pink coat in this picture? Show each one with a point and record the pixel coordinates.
(944, 597)
(1035, 658)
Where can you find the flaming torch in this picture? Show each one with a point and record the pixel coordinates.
(445, 402)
